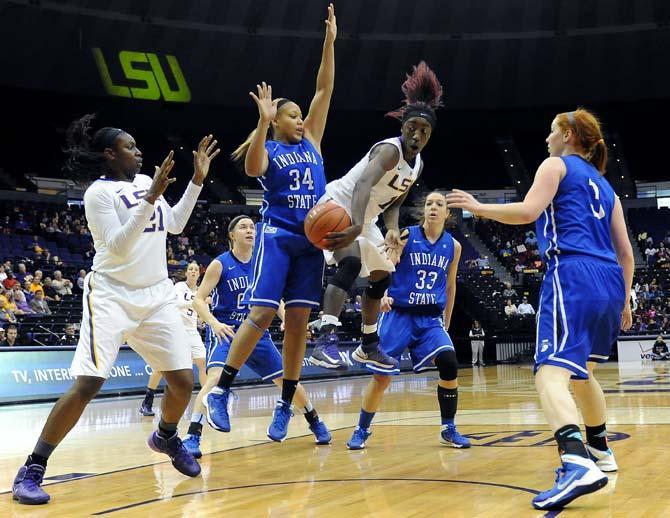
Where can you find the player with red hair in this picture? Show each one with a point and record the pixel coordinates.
(377, 184)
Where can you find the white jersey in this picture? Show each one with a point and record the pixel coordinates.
(129, 233)
(185, 302)
(393, 184)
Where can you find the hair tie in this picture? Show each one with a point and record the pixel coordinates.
(600, 141)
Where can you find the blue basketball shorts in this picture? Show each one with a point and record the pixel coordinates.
(265, 360)
(285, 266)
(579, 314)
(424, 336)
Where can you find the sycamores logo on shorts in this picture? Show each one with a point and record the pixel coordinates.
(544, 345)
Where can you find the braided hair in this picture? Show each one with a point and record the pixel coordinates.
(423, 95)
(85, 153)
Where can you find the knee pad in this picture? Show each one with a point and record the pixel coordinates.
(347, 273)
(447, 365)
(376, 290)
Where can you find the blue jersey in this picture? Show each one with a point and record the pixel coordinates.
(227, 297)
(293, 183)
(420, 278)
(579, 218)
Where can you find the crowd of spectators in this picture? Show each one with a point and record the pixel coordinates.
(656, 254)
(515, 246)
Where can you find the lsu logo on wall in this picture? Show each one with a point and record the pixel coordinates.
(525, 438)
(144, 69)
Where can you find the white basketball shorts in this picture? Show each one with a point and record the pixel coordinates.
(147, 319)
(195, 344)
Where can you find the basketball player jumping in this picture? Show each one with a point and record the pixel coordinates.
(377, 184)
(284, 153)
(127, 295)
(583, 302)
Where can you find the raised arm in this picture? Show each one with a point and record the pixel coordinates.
(382, 158)
(256, 159)
(548, 176)
(451, 284)
(624, 255)
(181, 212)
(315, 123)
(209, 282)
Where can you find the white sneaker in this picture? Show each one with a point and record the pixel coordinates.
(603, 459)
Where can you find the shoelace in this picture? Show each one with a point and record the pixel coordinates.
(34, 475)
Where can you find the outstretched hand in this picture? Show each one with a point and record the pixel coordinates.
(202, 158)
(161, 179)
(267, 108)
(458, 199)
(331, 24)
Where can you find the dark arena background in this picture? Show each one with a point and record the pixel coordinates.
(169, 72)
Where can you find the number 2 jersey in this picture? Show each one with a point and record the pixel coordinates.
(227, 295)
(129, 234)
(578, 220)
(293, 183)
(420, 278)
(392, 185)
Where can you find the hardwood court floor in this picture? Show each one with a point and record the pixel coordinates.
(404, 471)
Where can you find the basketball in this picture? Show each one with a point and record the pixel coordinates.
(323, 219)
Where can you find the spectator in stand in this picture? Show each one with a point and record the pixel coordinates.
(509, 292)
(27, 289)
(525, 308)
(49, 291)
(531, 239)
(39, 304)
(660, 350)
(80, 281)
(477, 343)
(36, 283)
(482, 263)
(22, 305)
(70, 337)
(12, 335)
(2, 334)
(650, 252)
(640, 325)
(3, 275)
(21, 226)
(10, 281)
(358, 304)
(510, 309)
(21, 272)
(642, 237)
(61, 285)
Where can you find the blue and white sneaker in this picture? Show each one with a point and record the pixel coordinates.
(216, 406)
(182, 460)
(321, 432)
(578, 476)
(146, 409)
(358, 438)
(450, 436)
(192, 445)
(278, 428)
(326, 353)
(603, 459)
(377, 357)
(26, 488)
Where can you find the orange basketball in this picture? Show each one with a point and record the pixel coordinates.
(324, 218)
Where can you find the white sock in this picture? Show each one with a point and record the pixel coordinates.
(197, 418)
(330, 319)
